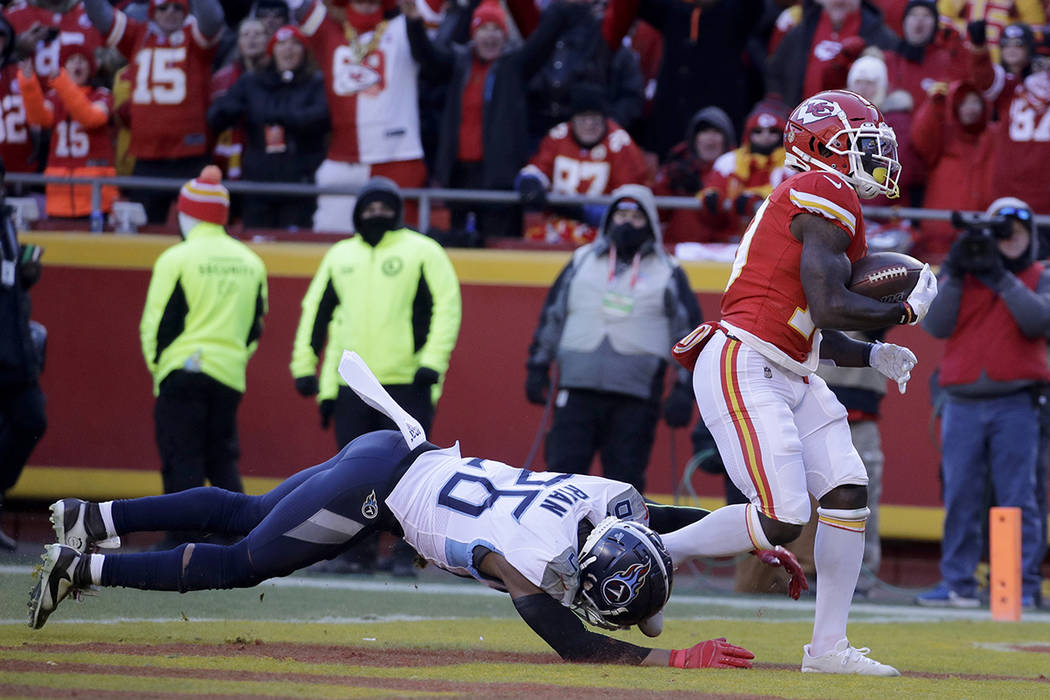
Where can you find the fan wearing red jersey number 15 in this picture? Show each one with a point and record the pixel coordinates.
(170, 57)
(779, 429)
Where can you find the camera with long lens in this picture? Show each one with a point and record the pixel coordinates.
(977, 243)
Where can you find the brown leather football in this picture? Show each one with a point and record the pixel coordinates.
(888, 277)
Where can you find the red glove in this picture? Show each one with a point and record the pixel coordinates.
(778, 556)
(714, 653)
(852, 47)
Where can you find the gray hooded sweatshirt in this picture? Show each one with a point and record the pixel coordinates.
(611, 327)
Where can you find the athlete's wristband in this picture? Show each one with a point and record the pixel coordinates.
(907, 314)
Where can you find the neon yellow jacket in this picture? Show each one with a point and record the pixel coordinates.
(204, 308)
(396, 305)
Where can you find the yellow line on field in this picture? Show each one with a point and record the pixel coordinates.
(526, 268)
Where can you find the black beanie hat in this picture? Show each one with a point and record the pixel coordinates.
(587, 97)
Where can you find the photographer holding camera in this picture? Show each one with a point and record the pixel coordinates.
(993, 308)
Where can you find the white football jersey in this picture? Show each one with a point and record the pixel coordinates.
(449, 505)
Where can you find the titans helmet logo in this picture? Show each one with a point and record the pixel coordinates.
(370, 509)
(621, 588)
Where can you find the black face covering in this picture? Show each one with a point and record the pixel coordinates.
(373, 229)
(629, 239)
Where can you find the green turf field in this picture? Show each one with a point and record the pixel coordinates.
(373, 636)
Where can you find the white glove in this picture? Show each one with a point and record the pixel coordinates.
(894, 362)
(922, 295)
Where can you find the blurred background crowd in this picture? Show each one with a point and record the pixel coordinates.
(539, 97)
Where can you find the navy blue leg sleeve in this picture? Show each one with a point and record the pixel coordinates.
(202, 567)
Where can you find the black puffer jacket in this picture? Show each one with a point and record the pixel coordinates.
(260, 98)
(18, 359)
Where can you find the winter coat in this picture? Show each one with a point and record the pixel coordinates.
(262, 98)
(958, 161)
(504, 121)
(945, 59)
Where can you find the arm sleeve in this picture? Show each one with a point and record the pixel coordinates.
(545, 340)
(448, 310)
(944, 311)
(1030, 308)
(161, 287)
(927, 130)
(435, 60)
(685, 315)
(79, 106)
(38, 111)
(319, 304)
(262, 305)
(227, 109)
(310, 114)
(565, 633)
(210, 17)
(664, 519)
(101, 14)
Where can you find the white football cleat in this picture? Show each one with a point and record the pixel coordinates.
(78, 524)
(845, 659)
(54, 584)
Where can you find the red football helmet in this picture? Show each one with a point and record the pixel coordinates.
(840, 131)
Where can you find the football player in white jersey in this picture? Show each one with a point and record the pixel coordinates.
(559, 544)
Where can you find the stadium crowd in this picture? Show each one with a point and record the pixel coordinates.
(554, 96)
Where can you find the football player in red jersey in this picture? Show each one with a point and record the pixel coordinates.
(779, 429)
(170, 57)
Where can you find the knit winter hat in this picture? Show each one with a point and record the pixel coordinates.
(205, 198)
(488, 12)
(283, 34)
(930, 5)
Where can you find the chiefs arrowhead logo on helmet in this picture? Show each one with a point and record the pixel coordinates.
(840, 131)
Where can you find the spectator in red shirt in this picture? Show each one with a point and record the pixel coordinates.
(77, 116)
(589, 154)
(709, 134)
(171, 56)
(1022, 147)
(929, 52)
(44, 26)
(484, 133)
(741, 179)
(16, 148)
(796, 70)
(951, 134)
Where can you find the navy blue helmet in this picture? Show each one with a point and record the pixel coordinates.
(625, 574)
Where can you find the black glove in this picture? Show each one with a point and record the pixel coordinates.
(978, 32)
(956, 263)
(678, 407)
(425, 377)
(327, 408)
(532, 193)
(747, 204)
(711, 201)
(536, 384)
(992, 274)
(306, 386)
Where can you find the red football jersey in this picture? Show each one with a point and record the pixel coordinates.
(764, 296)
(72, 144)
(74, 28)
(169, 88)
(566, 168)
(15, 146)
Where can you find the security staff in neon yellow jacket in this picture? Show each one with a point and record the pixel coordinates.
(391, 295)
(202, 321)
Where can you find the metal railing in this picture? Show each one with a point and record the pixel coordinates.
(425, 196)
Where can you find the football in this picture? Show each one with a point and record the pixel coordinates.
(887, 277)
